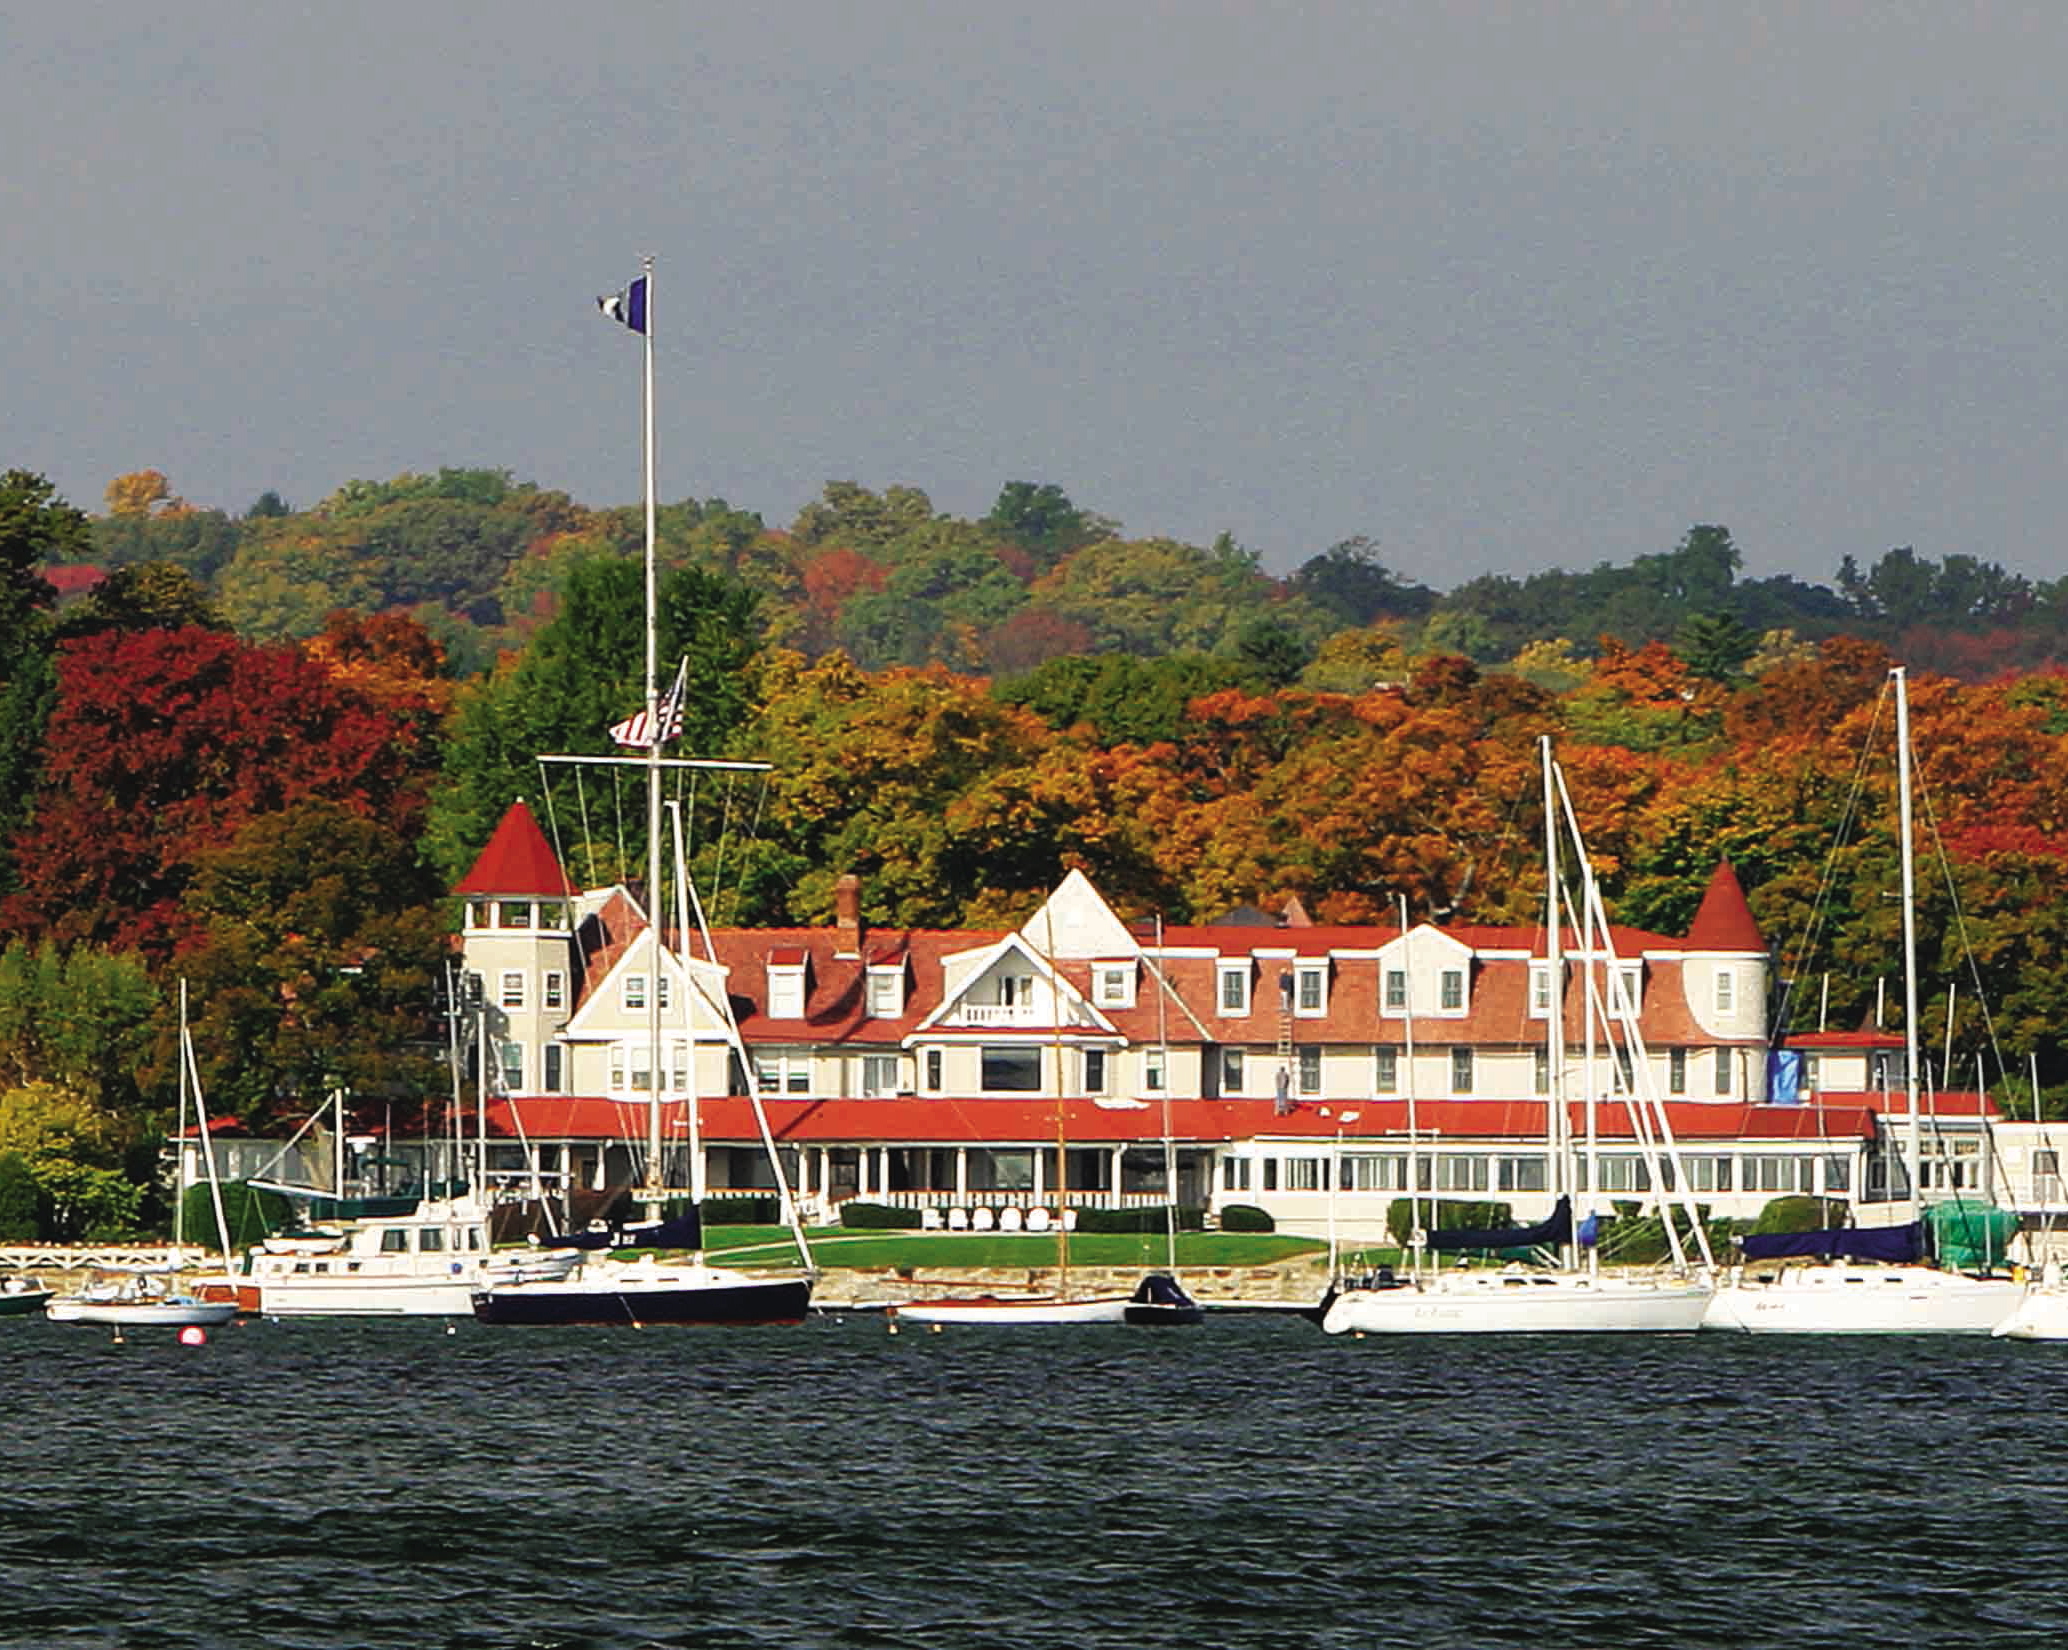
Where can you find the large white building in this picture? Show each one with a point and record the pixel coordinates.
(1286, 1060)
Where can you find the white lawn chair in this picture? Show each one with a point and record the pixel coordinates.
(1069, 1220)
(958, 1220)
(1008, 1220)
(1037, 1220)
(982, 1221)
(929, 1220)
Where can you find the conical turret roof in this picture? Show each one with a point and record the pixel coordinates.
(517, 860)
(1725, 922)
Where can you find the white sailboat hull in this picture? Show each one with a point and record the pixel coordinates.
(369, 1297)
(1522, 1303)
(1033, 1310)
(142, 1314)
(1853, 1299)
(2041, 1316)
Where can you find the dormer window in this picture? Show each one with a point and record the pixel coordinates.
(1113, 985)
(1626, 988)
(886, 988)
(1234, 988)
(786, 993)
(1396, 989)
(1539, 990)
(1310, 990)
(1453, 991)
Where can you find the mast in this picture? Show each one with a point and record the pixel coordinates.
(1055, 998)
(1170, 1145)
(1915, 1142)
(1555, 1122)
(689, 1019)
(1415, 1236)
(654, 1177)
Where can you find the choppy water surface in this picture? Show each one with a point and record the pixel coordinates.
(1251, 1483)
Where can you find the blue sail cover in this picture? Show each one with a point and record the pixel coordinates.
(1895, 1244)
(683, 1231)
(1557, 1229)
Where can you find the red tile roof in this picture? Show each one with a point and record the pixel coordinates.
(1378, 1124)
(518, 860)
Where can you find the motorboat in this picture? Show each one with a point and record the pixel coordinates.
(140, 1300)
(22, 1298)
(646, 1291)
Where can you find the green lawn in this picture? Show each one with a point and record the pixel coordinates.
(834, 1246)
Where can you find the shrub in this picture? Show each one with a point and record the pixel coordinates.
(1247, 1217)
(877, 1217)
(19, 1222)
(749, 1209)
(1799, 1214)
(1448, 1216)
(249, 1213)
(1155, 1218)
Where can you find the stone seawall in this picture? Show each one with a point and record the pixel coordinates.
(1301, 1281)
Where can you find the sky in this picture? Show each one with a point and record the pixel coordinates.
(1498, 287)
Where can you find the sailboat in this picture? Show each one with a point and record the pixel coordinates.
(1061, 1306)
(1869, 1280)
(146, 1296)
(1159, 1300)
(649, 1291)
(1568, 1298)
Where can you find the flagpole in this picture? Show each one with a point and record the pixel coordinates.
(655, 1179)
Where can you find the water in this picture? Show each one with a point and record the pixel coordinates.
(1250, 1483)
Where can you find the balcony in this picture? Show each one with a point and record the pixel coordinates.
(996, 1014)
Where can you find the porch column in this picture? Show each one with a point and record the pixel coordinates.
(1119, 1153)
(962, 1174)
(826, 1177)
(883, 1172)
(861, 1175)
(1041, 1175)
(531, 1160)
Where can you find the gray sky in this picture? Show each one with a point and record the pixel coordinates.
(1502, 287)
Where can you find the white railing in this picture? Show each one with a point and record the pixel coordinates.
(995, 1014)
(998, 1198)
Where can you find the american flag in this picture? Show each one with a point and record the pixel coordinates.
(637, 729)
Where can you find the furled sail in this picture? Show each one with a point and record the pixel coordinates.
(1558, 1228)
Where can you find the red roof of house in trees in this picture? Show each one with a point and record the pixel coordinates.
(1725, 922)
(517, 860)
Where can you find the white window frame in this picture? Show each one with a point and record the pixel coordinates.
(786, 992)
(617, 1067)
(880, 1076)
(886, 989)
(1155, 1070)
(1725, 992)
(1449, 984)
(1626, 988)
(510, 1066)
(1097, 1069)
(1385, 1068)
(1310, 990)
(1236, 975)
(1395, 990)
(510, 994)
(553, 1076)
(1461, 1068)
(1306, 1174)
(1723, 1072)
(1113, 985)
(632, 993)
(1307, 1079)
(1231, 1068)
(554, 995)
(1539, 990)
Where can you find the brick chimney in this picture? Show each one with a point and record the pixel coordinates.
(847, 916)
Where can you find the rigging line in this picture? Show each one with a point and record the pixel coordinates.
(581, 801)
(724, 837)
(1795, 969)
(753, 835)
(617, 803)
(581, 951)
(1960, 927)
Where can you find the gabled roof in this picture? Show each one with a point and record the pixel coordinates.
(1725, 922)
(517, 860)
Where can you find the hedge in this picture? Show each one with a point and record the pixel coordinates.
(1247, 1217)
(1153, 1218)
(877, 1217)
(745, 1209)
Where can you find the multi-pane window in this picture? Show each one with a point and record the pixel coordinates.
(1461, 1071)
(1152, 1070)
(1726, 991)
(933, 1071)
(617, 1065)
(1769, 1172)
(512, 995)
(1521, 1174)
(886, 993)
(555, 989)
(1373, 1172)
(879, 1074)
(1456, 1172)
(1543, 1056)
(1231, 1071)
(1838, 1174)
(1311, 996)
(1305, 1174)
(1094, 1071)
(1624, 1172)
(1723, 1071)
(1310, 1070)
(1453, 998)
(1386, 1069)
(1113, 985)
(1539, 989)
(1625, 987)
(1676, 1071)
(634, 995)
(1234, 1174)
(1706, 1173)
(1235, 989)
(513, 1067)
(1396, 988)
(554, 1080)
(786, 993)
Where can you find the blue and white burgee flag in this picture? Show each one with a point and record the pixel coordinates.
(638, 730)
(627, 308)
